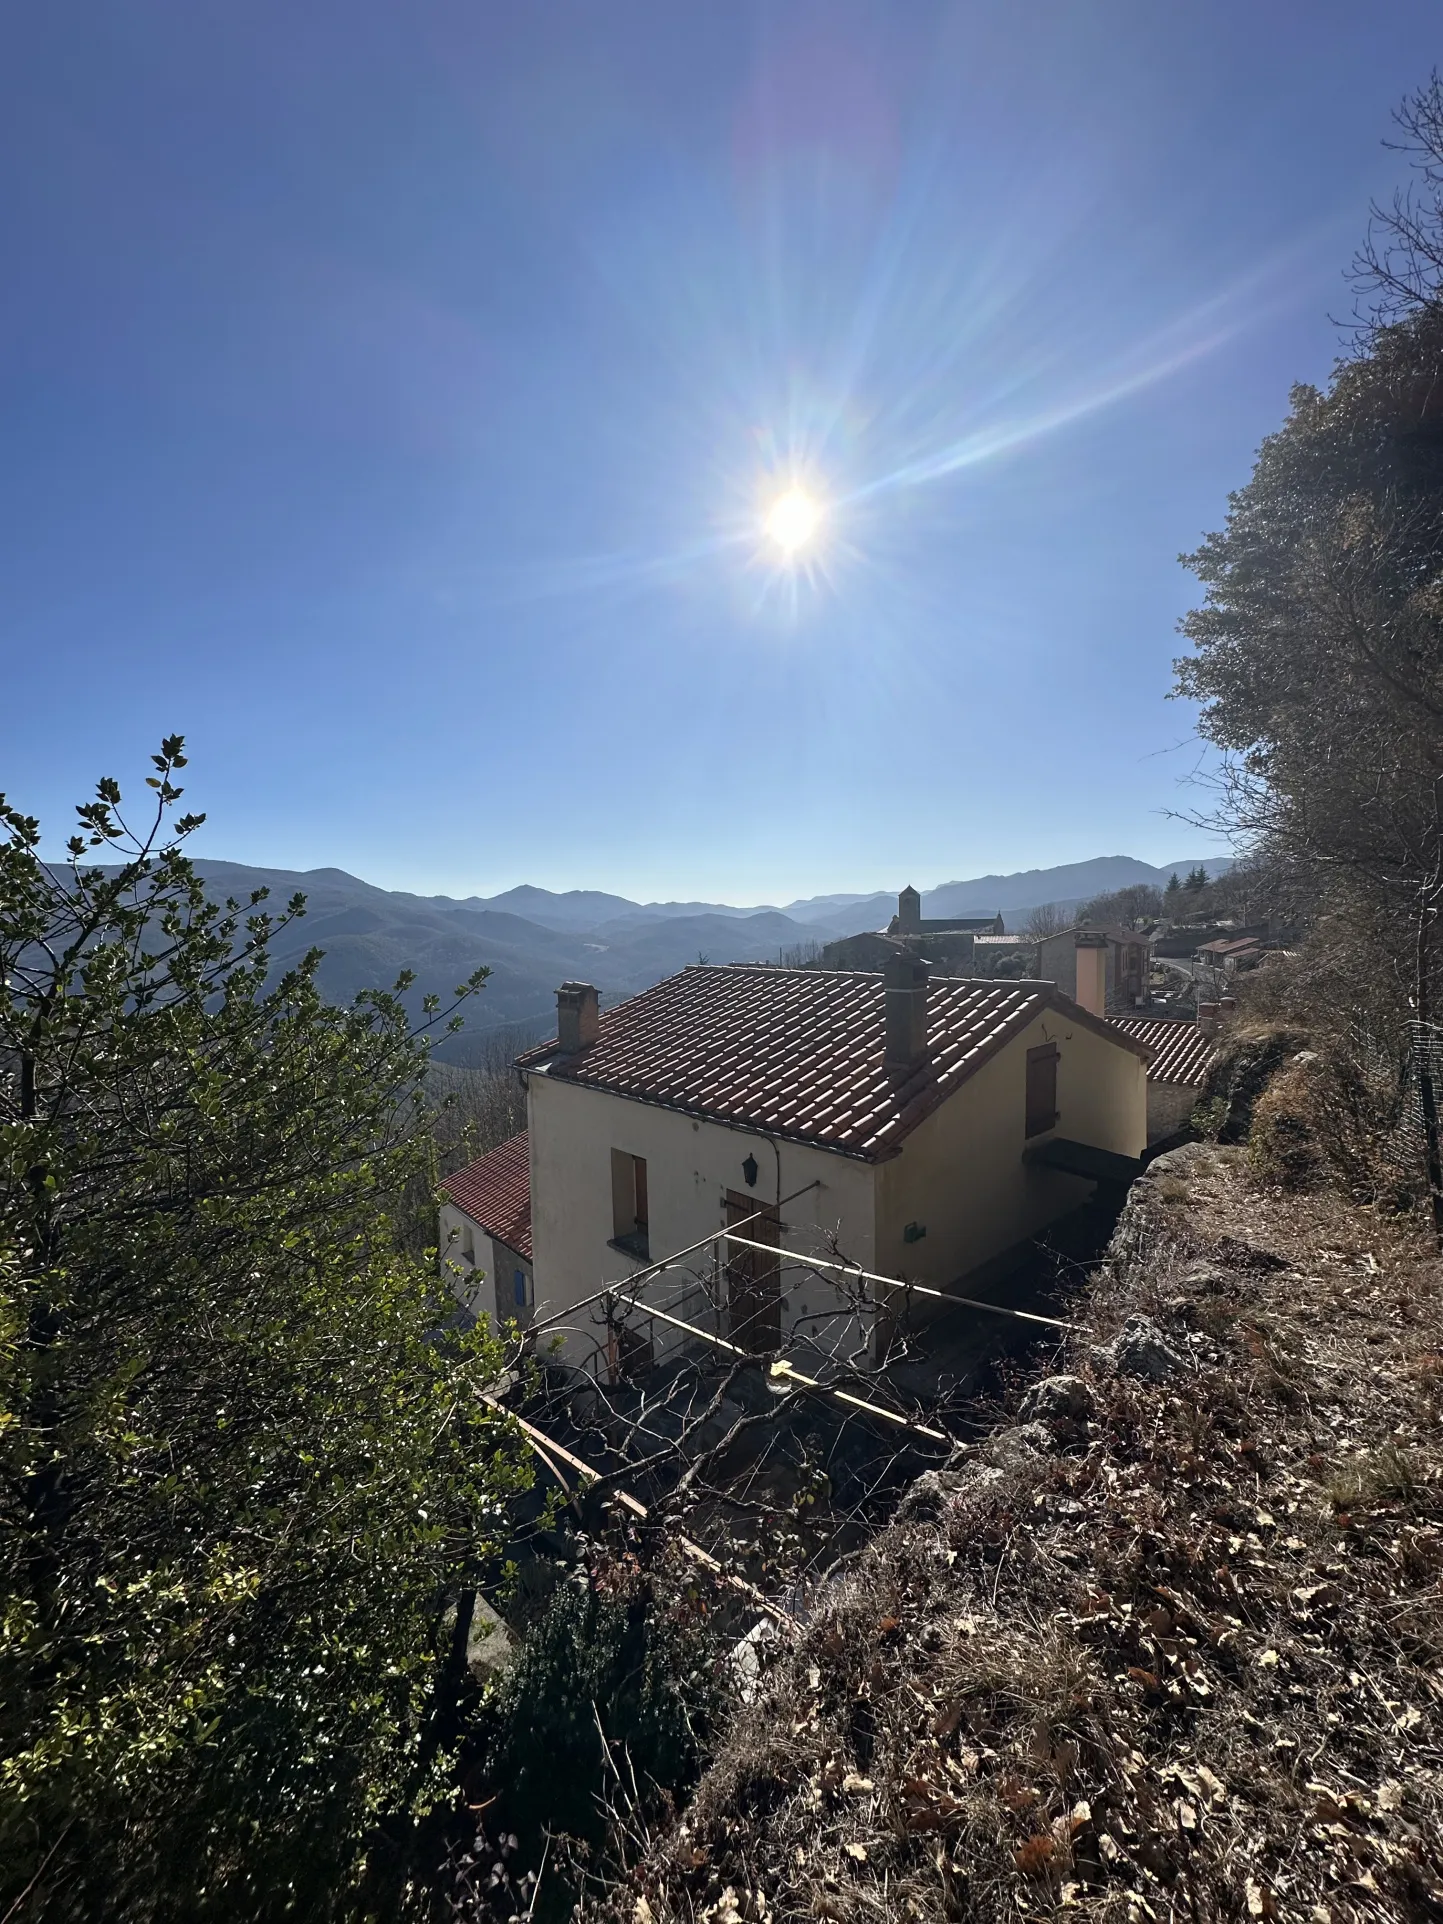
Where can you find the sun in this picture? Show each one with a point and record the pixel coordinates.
(792, 520)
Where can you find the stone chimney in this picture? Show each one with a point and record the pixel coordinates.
(1091, 992)
(1209, 1018)
(578, 1017)
(905, 990)
(1228, 1006)
(909, 911)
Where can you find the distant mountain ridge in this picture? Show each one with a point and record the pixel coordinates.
(1027, 889)
(533, 938)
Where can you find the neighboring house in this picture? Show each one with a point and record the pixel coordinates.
(1180, 1052)
(871, 951)
(909, 920)
(1004, 955)
(897, 1121)
(1230, 954)
(485, 1232)
(1183, 939)
(1127, 962)
(944, 941)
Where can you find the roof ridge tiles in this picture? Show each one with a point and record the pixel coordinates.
(795, 1052)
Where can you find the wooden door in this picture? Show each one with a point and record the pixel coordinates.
(753, 1278)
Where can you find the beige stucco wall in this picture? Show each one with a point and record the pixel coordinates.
(961, 1172)
(690, 1166)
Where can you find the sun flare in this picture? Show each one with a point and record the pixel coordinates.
(793, 519)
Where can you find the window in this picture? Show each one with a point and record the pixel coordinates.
(630, 1216)
(1041, 1088)
(518, 1287)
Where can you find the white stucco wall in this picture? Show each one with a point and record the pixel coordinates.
(691, 1164)
(465, 1252)
(961, 1172)
(479, 1270)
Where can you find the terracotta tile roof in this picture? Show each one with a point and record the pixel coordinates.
(1230, 945)
(798, 1052)
(495, 1191)
(1122, 937)
(1180, 1051)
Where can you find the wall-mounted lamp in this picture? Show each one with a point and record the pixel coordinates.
(750, 1171)
(914, 1232)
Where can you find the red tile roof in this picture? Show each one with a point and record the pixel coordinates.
(1180, 1050)
(495, 1191)
(798, 1052)
(1230, 946)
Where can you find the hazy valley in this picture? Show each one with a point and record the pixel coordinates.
(532, 938)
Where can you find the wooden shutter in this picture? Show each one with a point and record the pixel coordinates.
(1041, 1088)
(643, 1214)
(754, 1281)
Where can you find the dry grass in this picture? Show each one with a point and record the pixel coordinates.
(1182, 1660)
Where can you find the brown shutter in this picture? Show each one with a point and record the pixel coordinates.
(1041, 1088)
(754, 1280)
(643, 1216)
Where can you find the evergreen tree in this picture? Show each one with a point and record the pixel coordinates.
(245, 1480)
(1173, 889)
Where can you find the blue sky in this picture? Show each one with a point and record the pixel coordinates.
(390, 397)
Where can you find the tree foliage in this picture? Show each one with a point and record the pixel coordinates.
(242, 1474)
(1318, 650)
(1317, 657)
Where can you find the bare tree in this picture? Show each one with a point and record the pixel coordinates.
(1125, 907)
(1046, 919)
(1399, 268)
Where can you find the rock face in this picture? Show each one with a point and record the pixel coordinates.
(490, 1648)
(1058, 1399)
(1142, 1350)
(1240, 1071)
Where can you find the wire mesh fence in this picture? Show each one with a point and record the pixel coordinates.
(1422, 1090)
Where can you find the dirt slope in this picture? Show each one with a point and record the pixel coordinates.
(1172, 1646)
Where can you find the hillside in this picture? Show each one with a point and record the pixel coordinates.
(531, 938)
(1168, 1644)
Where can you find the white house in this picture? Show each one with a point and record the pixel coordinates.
(485, 1233)
(918, 1128)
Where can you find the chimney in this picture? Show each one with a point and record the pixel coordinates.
(905, 990)
(578, 1019)
(1228, 1006)
(1209, 1018)
(1091, 994)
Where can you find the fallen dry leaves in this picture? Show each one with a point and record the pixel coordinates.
(1183, 1659)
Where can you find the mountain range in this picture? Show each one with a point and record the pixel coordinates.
(532, 938)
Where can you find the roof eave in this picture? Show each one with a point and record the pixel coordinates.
(1099, 1025)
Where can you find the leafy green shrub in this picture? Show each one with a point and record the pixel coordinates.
(241, 1476)
(612, 1700)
